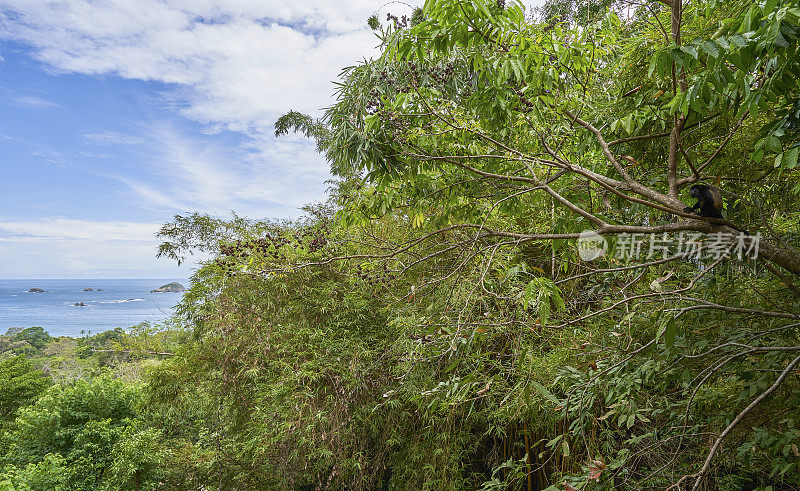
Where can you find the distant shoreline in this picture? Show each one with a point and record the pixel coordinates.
(121, 303)
(95, 279)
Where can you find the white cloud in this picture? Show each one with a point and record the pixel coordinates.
(231, 65)
(62, 228)
(247, 61)
(49, 157)
(34, 101)
(178, 170)
(79, 248)
(93, 155)
(113, 138)
(228, 64)
(83, 258)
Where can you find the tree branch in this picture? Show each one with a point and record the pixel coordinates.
(707, 464)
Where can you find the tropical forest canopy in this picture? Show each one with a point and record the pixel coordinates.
(440, 323)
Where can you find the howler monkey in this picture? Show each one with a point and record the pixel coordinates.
(709, 201)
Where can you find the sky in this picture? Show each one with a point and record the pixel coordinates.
(115, 115)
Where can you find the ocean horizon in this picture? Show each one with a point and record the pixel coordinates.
(119, 303)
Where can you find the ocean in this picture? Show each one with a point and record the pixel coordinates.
(121, 303)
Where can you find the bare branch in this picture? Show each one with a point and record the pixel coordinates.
(707, 464)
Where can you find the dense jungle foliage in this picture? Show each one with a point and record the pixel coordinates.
(437, 324)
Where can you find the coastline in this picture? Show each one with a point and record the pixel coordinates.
(110, 303)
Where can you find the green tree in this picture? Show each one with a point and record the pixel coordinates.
(49, 474)
(483, 128)
(20, 385)
(80, 423)
(35, 336)
(436, 327)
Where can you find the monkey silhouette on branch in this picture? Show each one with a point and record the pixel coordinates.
(709, 201)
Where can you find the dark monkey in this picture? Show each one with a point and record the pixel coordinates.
(709, 201)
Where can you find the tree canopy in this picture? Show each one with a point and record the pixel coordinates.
(438, 323)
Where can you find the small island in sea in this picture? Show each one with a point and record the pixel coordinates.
(173, 287)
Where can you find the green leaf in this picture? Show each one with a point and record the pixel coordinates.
(753, 14)
(480, 5)
(660, 63)
(627, 123)
(530, 288)
(772, 145)
(526, 394)
(677, 102)
(710, 48)
(552, 443)
(544, 311)
(737, 39)
(769, 7)
(546, 393)
(653, 65)
(370, 122)
(518, 70)
(607, 415)
(790, 159)
(418, 220)
(670, 332)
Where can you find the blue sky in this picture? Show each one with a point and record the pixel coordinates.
(117, 114)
